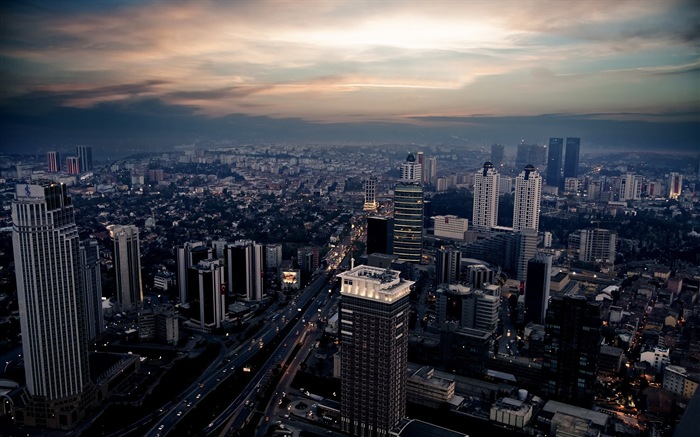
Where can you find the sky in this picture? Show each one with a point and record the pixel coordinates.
(130, 74)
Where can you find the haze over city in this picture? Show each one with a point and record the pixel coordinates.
(124, 75)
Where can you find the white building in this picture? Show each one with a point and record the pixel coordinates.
(451, 226)
(51, 304)
(486, 186)
(657, 358)
(630, 187)
(511, 412)
(371, 203)
(528, 194)
(675, 185)
(679, 382)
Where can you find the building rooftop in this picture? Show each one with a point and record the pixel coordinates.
(418, 428)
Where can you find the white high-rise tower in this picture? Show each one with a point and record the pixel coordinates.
(486, 183)
(371, 203)
(51, 305)
(528, 194)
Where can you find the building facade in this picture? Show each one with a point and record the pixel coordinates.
(486, 185)
(53, 162)
(528, 196)
(539, 271)
(208, 302)
(380, 235)
(371, 203)
(244, 269)
(84, 157)
(374, 350)
(573, 150)
(127, 265)
(72, 165)
(186, 256)
(571, 345)
(451, 227)
(408, 212)
(52, 306)
(554, 156)
(92, 287)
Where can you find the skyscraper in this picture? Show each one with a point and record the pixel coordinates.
(51, 306)
(186, 256)
(84, 157)
(127, 265)
(497, 154)
(630, 187)
(92, 287)
(208, 293)
(486, 184)
(554, 155)
(429, 170)
(374, 314)
(380, 235)
(528, 193)
(571, 345)
(53, 162)
(573, 149)
(539, 271)
(448, 265)
(675, 185)
(408, 212)
(72, 165)
(244, 269)
(371, 203)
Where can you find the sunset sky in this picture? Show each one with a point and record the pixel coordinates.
(466, 66)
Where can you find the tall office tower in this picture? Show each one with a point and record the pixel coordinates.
(308, 259)
(538, 156)
(429, 170)
(522, 154)
(273, 256)
(505, 248)
(371, 203)
(571, 344)
(448, 265)
(486, 185)
(127, 264)
(186, 256)
(555, 153)
(630, 187)
(408, 212)
(539, 272)
(51, 306)
(85, 157)
(594, 245)
(528, 194)
(72, 165)
(675, 185)
(380, 235)
(206, 282)
(374, 312)
(53, 162)
(497, 154)
(573, 149)
(92, 288)
(244, 269)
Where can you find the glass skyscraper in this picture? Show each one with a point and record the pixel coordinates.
(408, 212)
(554, 156)
(573, 149)
(51, 305)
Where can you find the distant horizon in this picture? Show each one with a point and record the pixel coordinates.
(156, 73)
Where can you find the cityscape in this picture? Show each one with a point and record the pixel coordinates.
(361, 291)
(350, 218)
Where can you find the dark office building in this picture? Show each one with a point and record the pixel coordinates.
(571, 345)
(84, 157)
(539, 270)
(448, 262)
(380, 235)
(573, 149)
(497, 154)
(374, 312)
(554, 155)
